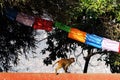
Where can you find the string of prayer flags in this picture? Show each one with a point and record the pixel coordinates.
(43, 24)
(90, 39)
(78, 35)
(25, 19)
(36, 23)
(11, 13)
(94, 40)
(73, 33)
(62, 26)
(110, 45)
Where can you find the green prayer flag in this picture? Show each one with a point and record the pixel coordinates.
(62, 26)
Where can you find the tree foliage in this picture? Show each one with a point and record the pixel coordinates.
(100, 17)
(15, 39)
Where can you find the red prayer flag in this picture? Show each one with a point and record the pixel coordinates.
(43, 24)
(119, 47)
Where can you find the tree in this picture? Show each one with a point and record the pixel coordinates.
(99, 17)
(15, 39)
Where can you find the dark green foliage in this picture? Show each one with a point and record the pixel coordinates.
(113, 59)
(100, 17)
(14, 38)
(58, 46)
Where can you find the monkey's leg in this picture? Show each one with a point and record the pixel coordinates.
(66, 68)
(57, 68)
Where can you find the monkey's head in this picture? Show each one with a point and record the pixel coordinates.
(72, 59)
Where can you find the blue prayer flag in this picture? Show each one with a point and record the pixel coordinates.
(11, 13)
(94, 40)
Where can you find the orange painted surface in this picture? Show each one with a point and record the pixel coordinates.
(77, 34)
(52, 76)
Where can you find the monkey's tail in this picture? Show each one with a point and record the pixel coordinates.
(54, 64)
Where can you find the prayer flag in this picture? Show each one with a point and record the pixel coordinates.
(25, 19)
(78, 35)
(62, 26)
(11, 13)
(43, 24)
(110, 45)
(94, 40)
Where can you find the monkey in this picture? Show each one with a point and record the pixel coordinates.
(63, 63)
